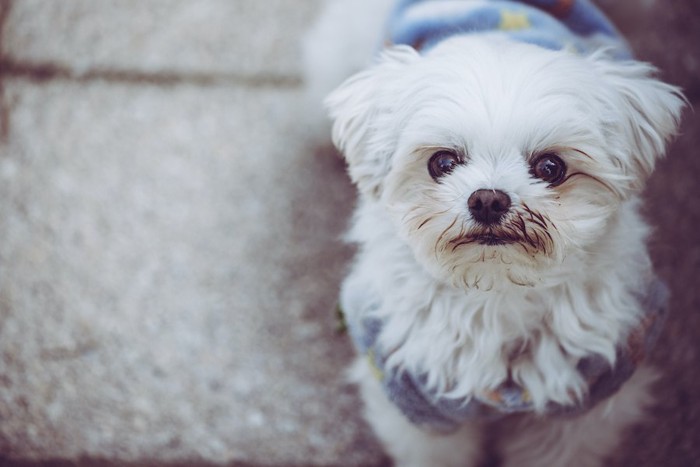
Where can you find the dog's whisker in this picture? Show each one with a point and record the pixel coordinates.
(578, 151)
(425, 222)
(595, 179)
(510, 277)
(442, 235)
(535, 217)
(411, 211)
(464, 241)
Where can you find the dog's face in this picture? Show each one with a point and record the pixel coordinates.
(496, 160)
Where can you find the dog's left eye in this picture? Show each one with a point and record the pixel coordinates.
(549, 168)
(443, 162)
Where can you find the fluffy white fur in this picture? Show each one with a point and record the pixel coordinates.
(470, 314)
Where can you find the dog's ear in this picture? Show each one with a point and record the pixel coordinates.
(362, 110)
(643, 114)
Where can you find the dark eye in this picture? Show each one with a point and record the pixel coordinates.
(443, 162)
(549, 168)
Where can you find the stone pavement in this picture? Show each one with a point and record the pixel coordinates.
(169, 250)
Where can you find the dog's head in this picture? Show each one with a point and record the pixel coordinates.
(497, 159)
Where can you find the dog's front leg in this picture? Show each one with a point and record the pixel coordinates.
(582, 441)
(407, 444)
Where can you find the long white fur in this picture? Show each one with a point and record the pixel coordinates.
(470, 315)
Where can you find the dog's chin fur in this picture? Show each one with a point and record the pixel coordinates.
(557, 279)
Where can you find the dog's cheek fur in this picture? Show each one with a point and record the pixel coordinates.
(643, 114)
(362, 110)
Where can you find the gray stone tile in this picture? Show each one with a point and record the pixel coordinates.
(216, 36)
(169, 263)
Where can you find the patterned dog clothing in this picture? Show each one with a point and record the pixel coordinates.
(419, 404)
(577, 25)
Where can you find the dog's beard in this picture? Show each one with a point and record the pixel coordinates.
(523, 228)
(467, 254)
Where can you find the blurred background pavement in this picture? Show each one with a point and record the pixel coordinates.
(169, 239)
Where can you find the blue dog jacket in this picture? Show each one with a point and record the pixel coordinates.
(577, 25)
(419, 404)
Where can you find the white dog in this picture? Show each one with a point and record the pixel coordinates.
(502, 281)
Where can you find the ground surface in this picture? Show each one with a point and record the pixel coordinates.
(169, 250)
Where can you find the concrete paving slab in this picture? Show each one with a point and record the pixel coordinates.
(204, 37)
(168, 271)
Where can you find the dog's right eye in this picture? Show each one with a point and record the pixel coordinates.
(550, 168)
(442, 162)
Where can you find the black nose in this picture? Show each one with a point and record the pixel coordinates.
(488, 206)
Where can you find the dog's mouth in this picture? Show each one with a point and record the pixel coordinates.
(491, 239)
(485, 238)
